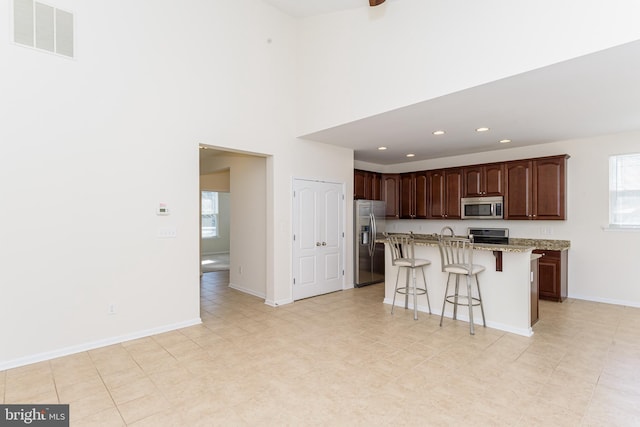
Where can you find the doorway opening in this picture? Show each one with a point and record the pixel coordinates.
(234, 187)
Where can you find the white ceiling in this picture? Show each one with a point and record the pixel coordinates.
(596, 94)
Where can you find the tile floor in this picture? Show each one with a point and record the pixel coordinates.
(342, 360)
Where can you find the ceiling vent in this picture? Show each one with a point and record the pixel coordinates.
(42, 26)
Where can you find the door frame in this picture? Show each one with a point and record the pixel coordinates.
(343, 223)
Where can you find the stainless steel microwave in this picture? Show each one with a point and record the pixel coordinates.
(482, 207)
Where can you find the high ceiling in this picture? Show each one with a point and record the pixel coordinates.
(596, 94)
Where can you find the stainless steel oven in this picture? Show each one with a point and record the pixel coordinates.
(482, 207)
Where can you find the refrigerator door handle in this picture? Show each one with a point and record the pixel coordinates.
(372, 237)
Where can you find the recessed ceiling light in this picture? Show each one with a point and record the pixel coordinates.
(439, 132)
(505, 141)
(411, 155)
(382, 148)
(482, 129)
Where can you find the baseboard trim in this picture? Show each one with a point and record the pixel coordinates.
(247, 290)
(40, 357)
(277, 303)
(634, 304)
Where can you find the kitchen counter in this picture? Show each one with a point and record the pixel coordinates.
(514, 245)
(506, 291)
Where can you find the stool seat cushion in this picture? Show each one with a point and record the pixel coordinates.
(463, 269)
(410, 262)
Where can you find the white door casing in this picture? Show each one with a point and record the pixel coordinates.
(318, 238)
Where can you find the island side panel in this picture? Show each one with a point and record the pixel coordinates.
(506, 295)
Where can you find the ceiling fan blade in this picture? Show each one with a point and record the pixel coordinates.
(375, 2)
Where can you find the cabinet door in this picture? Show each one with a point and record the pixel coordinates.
(553, 275)
(549, 188)
(420, 195)
(407, 210)
(453, 192)
(436, 194)
(483, 180)
(472, 179)
(493, 180)
(359, 184)
(376, 187)
(549, 274)
(390, 194)
(518, 191)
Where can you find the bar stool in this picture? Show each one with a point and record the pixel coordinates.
(403, 256)
(456, 254)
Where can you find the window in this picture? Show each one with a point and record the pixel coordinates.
(624, 191)
(209, 214)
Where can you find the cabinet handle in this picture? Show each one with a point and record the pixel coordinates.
(324, 243)
(317, 243)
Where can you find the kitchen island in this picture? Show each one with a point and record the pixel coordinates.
(506, 284)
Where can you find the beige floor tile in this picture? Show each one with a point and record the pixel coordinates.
(75, 391)
(343, 359)
(91, 405)
(143, 407)
(133, 390)
(168, 418)
(105, 418)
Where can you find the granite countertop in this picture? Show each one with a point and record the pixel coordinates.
(515, 244)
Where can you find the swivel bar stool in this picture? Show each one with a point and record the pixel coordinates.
(403, 256)
(456, 254)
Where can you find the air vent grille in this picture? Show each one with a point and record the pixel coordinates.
(44, 27)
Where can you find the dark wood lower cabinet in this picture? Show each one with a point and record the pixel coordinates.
(552, 275)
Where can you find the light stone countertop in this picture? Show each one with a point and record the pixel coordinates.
(515, 244)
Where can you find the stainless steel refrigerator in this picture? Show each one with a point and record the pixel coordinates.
(369, 218)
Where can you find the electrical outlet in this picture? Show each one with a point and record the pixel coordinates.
(112, 309)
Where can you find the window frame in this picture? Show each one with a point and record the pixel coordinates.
(215, 214)
(624, 177)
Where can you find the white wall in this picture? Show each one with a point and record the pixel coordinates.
(365, 61)
(603, 265)
(92, 145)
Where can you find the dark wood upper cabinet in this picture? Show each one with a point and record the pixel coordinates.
(549, 198)
(532, 189)
(413, 195)
(483, 180)
(359, 186)
(366, 185)
(444, 190)
(391, 194)
(518, 195)
(535, 189)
